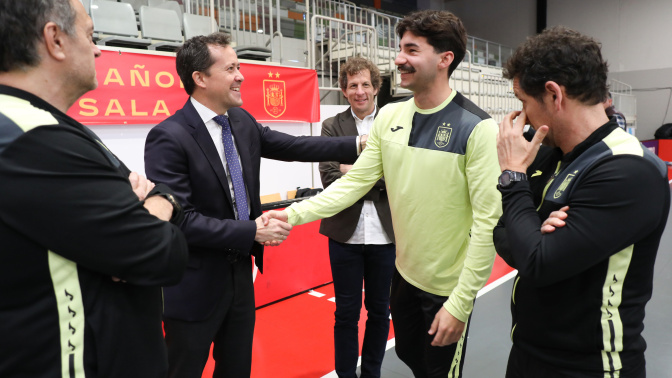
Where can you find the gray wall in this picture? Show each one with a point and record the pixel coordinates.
(653, 89)
(507, 22)
(636, 41)
(636, 37)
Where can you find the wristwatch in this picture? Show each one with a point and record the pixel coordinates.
(178, 213)
(509, 177)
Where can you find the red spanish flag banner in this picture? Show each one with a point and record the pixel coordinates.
(142, 88)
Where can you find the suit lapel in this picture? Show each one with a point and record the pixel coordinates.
(205, 142)
(347, 123)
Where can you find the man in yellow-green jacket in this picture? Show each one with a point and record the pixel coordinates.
(437, 151)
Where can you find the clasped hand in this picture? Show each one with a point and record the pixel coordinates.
(272, 228)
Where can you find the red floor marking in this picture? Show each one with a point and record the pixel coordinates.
(295, 338)
(499, 270)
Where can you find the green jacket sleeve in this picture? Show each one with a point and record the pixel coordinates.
(345, 191)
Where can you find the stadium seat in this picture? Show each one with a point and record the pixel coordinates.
(253, 52)
(196, 25)
(161, 24)
(174, 5)
(136, 4)
(117, 20)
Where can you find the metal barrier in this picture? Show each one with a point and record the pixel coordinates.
(335, 30)
(624, 101)
(482, 83)
(488, 53)
(251, 23)
(350, 14)
(497, 97)
(461, 79)
(336, 40)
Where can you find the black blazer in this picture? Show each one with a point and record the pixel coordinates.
(180, 153)
(341, 226)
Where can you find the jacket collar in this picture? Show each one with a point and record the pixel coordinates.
(592, 139)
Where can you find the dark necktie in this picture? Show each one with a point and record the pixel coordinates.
(239, 193)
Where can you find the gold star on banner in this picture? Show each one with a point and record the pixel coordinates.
(277, 75)
(270, 74)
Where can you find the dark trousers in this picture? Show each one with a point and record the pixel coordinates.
(413, 312)
(523, 365)
(231, 327)
(350, 263)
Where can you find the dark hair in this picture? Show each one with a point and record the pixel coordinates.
(444, 32)
(194, 55)
(21, 29)
(355, 65)
(564, 56)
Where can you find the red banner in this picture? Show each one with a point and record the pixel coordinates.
(138, 88)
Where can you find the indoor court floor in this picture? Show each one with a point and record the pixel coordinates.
(293, 338)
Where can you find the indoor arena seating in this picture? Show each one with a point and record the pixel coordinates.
(197, 25)
(115, 25)
(317, 34)
(156, 25)
(162, 26)
(172, 5)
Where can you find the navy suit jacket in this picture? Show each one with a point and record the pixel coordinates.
(180, 153)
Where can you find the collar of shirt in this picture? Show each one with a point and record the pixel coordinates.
(364, 125)
(204, 112)
(214, 129)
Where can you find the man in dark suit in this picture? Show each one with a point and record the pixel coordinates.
(209, 152)
(361, 238)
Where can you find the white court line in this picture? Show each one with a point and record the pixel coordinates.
(494, 284)
(390, 345)
(316, 294)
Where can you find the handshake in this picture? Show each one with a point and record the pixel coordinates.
(272, 228)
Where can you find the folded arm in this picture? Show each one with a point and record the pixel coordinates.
(71, 200)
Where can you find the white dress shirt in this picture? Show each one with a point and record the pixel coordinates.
(215, 131)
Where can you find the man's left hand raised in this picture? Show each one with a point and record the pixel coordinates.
(514, 152)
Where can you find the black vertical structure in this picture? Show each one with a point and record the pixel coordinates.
(541, 15)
